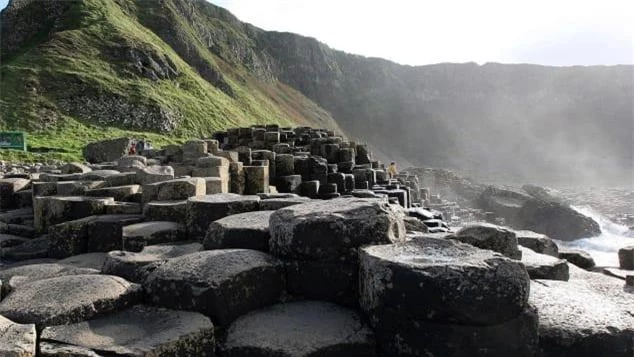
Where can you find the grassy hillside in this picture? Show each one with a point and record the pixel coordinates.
(94, 70)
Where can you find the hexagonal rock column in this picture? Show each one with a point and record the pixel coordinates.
(69, 299)
(445, 298)
(237, 179)
(51, 210)
(306, 328)
(248, 230)
(320, 238)
(119, 193)
(138, 331)
(172, 190)
(256, 179)
(489, 236)
(174, 211)
(152, 174)
(222, 284)
(136, 266)
(626, 258)
(136, 236)
(8, 188)
(16, 339)
(202, 210)
(20, 275)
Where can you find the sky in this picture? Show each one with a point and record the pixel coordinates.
(418, 32)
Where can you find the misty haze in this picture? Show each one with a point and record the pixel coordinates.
(241, 178)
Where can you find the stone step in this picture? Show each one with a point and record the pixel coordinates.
(202, 210)
(30, 249)
(136, 236)
(16, 216)
(542, 266)
(14, 277)
(173, 211)
(249, 230)
(10, 240)
(119, 193)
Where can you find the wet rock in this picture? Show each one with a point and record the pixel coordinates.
(202, 210)
(249, 230)
(17, 340)
(69, 299)
(17, 276)
(541, 266)
(138, 331)
(537, 242)
(307, 328)
(136, 236)
(577, 257)
(325, 230)
(626, 258)
(489, 236)
(135, 267)
(222, 284)
(174, 211)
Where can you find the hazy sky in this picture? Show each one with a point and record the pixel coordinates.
(551, 32)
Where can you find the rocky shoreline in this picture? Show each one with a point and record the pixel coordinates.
(269, 241)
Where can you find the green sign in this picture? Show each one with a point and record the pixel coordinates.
(13, 140)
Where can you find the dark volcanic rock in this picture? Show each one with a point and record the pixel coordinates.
(539, 243)
(16, 339)
(106, 150)
(626, 258)
(222, 284)
(136, 236)
(31, 249)
(138, 331)
(69, 299)
(202, 210)
(248, 230)
(307, 328)
(14, 277)
(577, 257)
(541, 266)
(326, 281)
(489, 236)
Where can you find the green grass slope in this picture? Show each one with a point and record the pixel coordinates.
(93, 69)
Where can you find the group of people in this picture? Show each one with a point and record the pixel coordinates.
(138, 146)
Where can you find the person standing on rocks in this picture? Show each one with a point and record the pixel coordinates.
(132, 150)
(391, 170)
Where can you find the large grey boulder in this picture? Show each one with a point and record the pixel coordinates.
(202, 210)
(75, 168)
(106, 150)
(14, 277)
(578, 257)
(326, 230)
(589, 315)
(222, 284)
(537, 242)
(306, 328)
(152, 174)
(174, 211)
(249, 230)
(178, 189)
(138, 331)
(69, 299)
(541, 266)
(78, 188)
(489, 236)
(135, 267)
(17, 340)
(136, 236)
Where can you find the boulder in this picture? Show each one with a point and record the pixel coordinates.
(17, 340)
(121, 179)
(51, 210)
(152, 174)
(136, 236)
(17, 276)
(222, 284)
(202, 210)
(174, 211)
(135, 267)
(577, 257)
(138, 331)
(626, 258)
(326, 230)
(131, 161)
(306, 328)
(87, 260)
(75, 168)
(69, 299)
(106, 150)
(249, 230)
(443, 281)
(413, 224)
(541, 266)
(489, 236)
(539, 243)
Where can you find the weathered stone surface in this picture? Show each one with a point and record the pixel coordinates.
(75, 168)
(30, 249)
(325, 230)
(273, 204)
(489, 236)
(178, 189)
(119, 193)
(98, 175)
(626, 258)
(69, 299)
(44, 189)
(78, 188)
(215, 185)
(174, 211)
(131, 161)
(325, 281)
(289, 183)
(136, 236)
(9, 240)
(249, 230)
(577, 257)
(135, 267)
(8, 187)
(590, 315)
(17, 340)
(443, 281)
(124, 208)
(202, 210)
(413, 224)
(222, 284)
(256, 179)
(106, 150)
(14, 277)
(138, 331)
(539, 243)
(307, 328)
(237, 178)
(541, 266)
(152, 174)
(53, 210)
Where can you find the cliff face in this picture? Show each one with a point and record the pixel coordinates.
(204, 69)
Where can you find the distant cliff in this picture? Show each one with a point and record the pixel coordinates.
(188, 67)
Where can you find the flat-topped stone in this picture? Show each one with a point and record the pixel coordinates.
(538, 242)
(202, 210)
(69, 299)
(306, 328)
(31, 249)
(273, 204)
(93, 260)
(325, 230)
(119, 193)
(489, 236)
(10, 240)
(249, 230)
(577, 257)
(138, 331)
(14, 277)
(17, 340)
(542, 266)
(136, 266)
(124, 208)
(222, 284)
(174, 211)
(136, 236)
